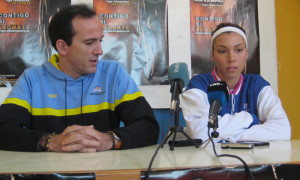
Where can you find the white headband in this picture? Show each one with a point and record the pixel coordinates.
(228, 29)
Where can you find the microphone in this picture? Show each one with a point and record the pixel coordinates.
(178, 77)
(218, 96)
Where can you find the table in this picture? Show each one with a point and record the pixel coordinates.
(127, 164)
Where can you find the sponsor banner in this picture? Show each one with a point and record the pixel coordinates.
(23, 36)
(135, 34)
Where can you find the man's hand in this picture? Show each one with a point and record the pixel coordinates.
(81, 139)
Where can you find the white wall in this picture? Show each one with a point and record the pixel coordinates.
(179, 47)
(3, 93)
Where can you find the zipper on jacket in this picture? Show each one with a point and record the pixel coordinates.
(232, 103)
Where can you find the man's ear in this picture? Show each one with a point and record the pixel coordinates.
(62, 47)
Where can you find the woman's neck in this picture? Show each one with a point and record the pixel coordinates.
(232, 83)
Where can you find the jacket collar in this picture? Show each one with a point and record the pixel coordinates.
(237, 88)
(52, 68)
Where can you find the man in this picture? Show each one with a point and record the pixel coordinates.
(74, 103)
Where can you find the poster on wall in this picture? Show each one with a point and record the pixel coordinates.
(23, 35)
(135, 34)
(205, 15)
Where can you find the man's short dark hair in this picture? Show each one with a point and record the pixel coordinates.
(60, 26)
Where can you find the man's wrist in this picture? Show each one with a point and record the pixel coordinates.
(117, 141)
(44, 142)
(47, 145)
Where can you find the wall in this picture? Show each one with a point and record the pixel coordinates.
(287, 17)
(179, 47)
(287, 14)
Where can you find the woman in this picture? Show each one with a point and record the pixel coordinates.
(253, 112)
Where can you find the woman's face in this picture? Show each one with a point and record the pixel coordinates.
(230, 55)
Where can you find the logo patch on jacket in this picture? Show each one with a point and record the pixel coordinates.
(246, 107)
(52, 95)
(97, 91)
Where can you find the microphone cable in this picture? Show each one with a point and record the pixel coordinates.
(230, 155)
(157, 149)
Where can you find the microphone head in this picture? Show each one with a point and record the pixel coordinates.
(218, 91)
(179, 71)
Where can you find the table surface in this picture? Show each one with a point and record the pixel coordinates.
(278, 152)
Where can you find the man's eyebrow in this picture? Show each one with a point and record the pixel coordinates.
(93, 39)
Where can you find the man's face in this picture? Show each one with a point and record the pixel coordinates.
(82, 56)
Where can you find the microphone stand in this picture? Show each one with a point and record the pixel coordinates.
(176, 128)
(215, 126)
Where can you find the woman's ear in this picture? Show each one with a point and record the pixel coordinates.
(212, 56)
(245, 70)
(62, 47)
